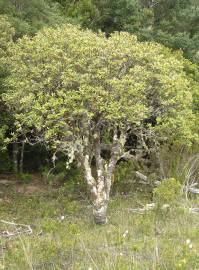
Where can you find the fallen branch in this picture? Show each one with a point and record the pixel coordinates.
(7, 182)
(143, 179)
(194, 210)
(148, 207)
(193, 190)
(20, 229)
(137, 156)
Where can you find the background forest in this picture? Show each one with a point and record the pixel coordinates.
(143, 161)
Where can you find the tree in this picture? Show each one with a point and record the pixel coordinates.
(109, 16)
(78, 91)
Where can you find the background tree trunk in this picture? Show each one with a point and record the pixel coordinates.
(21, 158)
(15, 152)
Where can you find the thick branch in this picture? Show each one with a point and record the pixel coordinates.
(116, 153)
(99, 162)
(89, 178)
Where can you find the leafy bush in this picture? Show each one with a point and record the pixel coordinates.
(168, 192)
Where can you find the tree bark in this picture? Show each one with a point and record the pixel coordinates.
(99, 196)
(100, 211)
(15, 151)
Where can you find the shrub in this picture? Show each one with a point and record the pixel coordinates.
(168, 192)
(51, 178)
(25, 177)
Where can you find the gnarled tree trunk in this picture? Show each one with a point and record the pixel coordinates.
(100, 208)
(99, 195)
(100, 185)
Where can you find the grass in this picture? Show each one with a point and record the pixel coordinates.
(130, 241)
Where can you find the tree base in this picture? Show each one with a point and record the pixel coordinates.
(100, 216)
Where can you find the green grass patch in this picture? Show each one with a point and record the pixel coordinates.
(65, 236)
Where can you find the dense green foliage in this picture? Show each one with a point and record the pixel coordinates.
(177, 25)
(67, 81)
